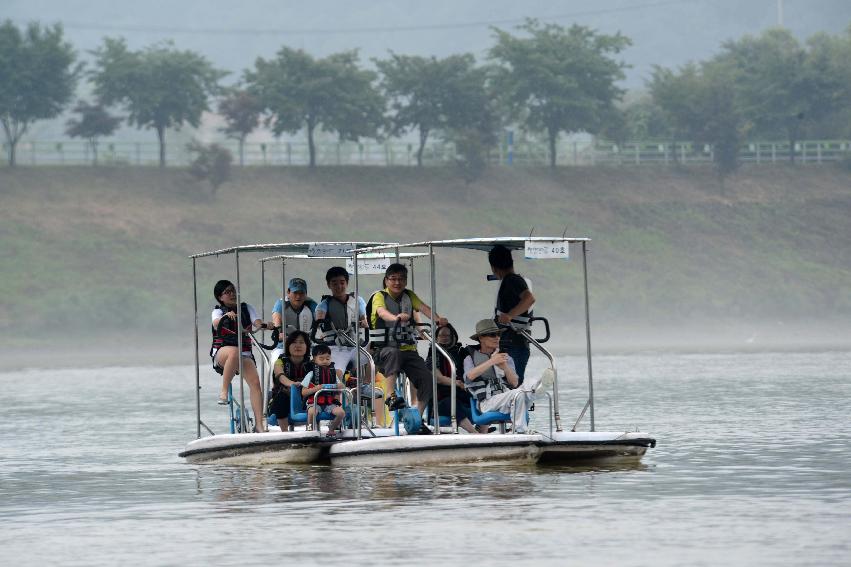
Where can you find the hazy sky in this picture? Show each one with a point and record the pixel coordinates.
(233, 34)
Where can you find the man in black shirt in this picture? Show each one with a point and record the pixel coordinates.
(513, 302)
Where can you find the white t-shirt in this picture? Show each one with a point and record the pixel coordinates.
(218, 314)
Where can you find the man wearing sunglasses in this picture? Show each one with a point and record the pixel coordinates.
(393, 332)
(491, 378)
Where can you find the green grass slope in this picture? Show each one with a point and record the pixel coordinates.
(92, 251)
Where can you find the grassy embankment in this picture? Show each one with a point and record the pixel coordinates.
(105, 248)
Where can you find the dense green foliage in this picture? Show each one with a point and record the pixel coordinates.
(94, 122)
(211, 164)
(37, 78)
(429, 95)
(332, 93)
(160, 87)
(545, 79)
(558, 79)
(241, 111)
(769, 86)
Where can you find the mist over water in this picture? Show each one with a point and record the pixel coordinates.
(751, 468)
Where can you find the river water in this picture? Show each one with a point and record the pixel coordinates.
(752, 467)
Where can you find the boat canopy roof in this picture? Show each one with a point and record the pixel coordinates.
(300, 248)
(482, 244)
(365, 256)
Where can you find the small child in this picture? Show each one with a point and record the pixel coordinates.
(323, 373)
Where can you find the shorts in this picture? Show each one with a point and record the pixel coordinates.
(325, 408)
(279, 403)
(412, 364)
(341, 356)
(221, 370)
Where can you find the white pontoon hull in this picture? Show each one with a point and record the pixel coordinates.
(438, 450)
(381, 447)
(597, 447)
(272, 448)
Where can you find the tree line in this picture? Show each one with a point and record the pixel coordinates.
(543, 78)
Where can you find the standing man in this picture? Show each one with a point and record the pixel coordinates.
(514, 303)
(338, 312)
(298, 313)
(391, 318)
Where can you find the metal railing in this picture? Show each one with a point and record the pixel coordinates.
(395, 153)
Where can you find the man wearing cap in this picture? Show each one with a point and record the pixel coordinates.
(298, 312)
(491, 378)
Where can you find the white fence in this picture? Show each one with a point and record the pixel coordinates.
(77, 152)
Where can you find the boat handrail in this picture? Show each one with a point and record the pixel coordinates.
(549, 356)
(345, 392)
(372, 372)
(454, 371)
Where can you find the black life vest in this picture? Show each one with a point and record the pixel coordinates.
(458, 354)
(293, 371)
(226, 335)
(323, 375)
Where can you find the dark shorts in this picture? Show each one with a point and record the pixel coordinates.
(412, 364)
(279, 403)
(462, 407)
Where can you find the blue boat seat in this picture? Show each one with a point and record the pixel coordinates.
(486, 418)
(445, 420)
(298, 411)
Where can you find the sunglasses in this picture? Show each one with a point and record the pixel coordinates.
(489, 335)
(228, 291)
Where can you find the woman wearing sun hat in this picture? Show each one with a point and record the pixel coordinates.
(491, 378)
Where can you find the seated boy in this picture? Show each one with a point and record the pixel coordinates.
(323, 373)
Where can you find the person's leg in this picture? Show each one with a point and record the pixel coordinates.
(520, 354)
(462, 415)
(521, 402)
(253, 381)
(227, 360)
(468, 426)
(416, 370)
(339, 413)
(310, 414)
(341, 356)
(389, 359)
(281, 408)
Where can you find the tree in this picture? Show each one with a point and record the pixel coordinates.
(558, 80)
(241, 111)
(700, 102)
(37, 78)
(160, 86)
(830, 56)
(783, 86)
(332, 93)
(430, 94)
(212, 164)
(94, 122)
(640, 119)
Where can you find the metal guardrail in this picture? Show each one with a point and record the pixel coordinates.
(78, 152)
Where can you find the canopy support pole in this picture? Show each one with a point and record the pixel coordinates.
(588, 333)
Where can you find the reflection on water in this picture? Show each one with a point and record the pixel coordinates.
(754, 451)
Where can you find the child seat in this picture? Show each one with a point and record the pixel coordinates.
(298, 411)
